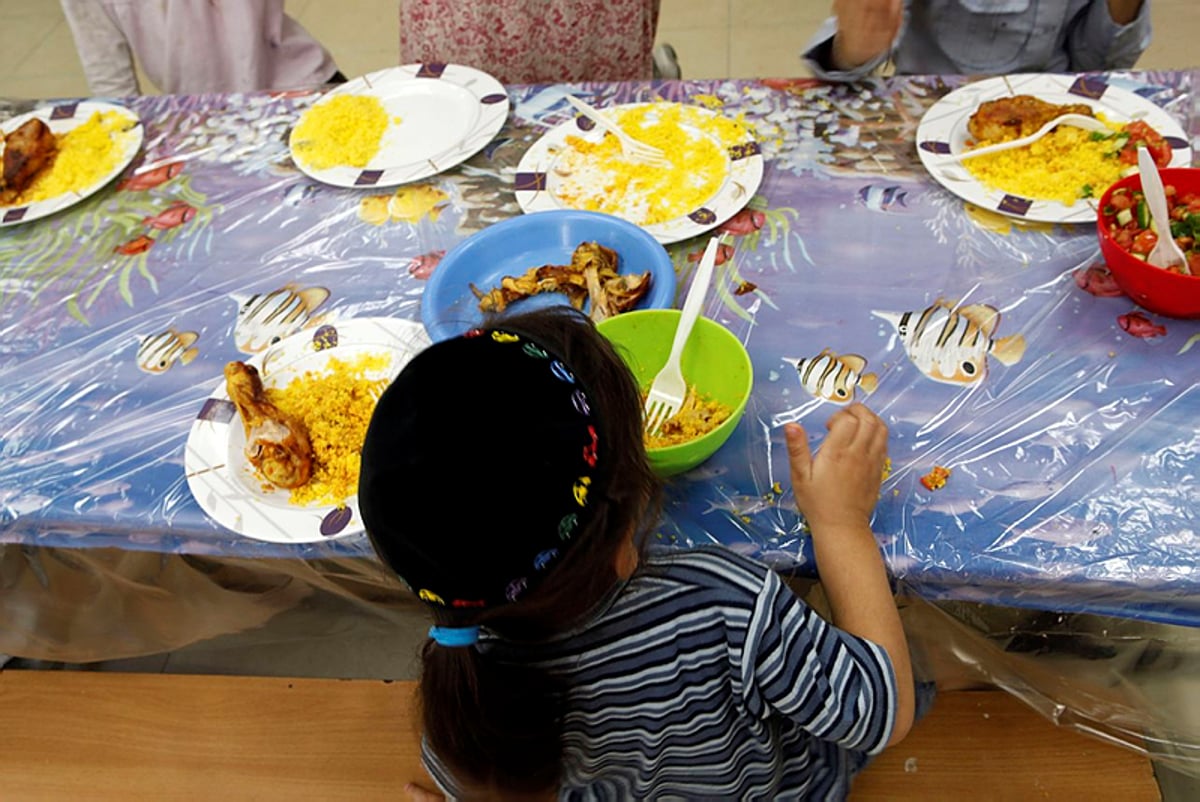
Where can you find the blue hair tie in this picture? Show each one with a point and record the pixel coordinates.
(454, 636)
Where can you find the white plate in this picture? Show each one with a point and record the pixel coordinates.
(943, 132)
(447, 113)
(222, 480)
(536, 179)
(62, 118)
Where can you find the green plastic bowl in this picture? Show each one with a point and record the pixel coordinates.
(714, 362)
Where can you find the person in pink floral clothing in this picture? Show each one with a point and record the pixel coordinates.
(534, 41)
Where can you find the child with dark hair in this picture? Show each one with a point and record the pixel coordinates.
(505, 480)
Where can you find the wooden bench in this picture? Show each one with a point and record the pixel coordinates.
(105, 736)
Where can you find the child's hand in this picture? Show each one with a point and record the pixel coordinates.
(866, 28)
(839, 488)
(418, 794)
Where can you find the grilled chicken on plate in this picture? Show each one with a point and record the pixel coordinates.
(277, 445)
(1007, 118)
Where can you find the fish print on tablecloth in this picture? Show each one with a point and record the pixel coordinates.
(834, 377)
(951, 343)
(1136, 324)
(1098, 281)
(143, 180)
(422, 266)
(408, 204)
(266, 318)
(879, 198)
(174, 215)
(159, 352)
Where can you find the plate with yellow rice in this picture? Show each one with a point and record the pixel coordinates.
(715, 168)
(328, 378)
(398, 125)
(1057, 179)
(95, 142)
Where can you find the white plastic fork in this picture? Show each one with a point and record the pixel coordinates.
(632, 148)
(1077, 120)
(1166, 251)
(668, 389)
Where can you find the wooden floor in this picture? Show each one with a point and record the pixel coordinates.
(104, 736)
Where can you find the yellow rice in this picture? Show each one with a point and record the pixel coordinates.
(86, 154)
(335, 406)
(343, 131)
(698, 416)
(1057, 167)
(595, 175)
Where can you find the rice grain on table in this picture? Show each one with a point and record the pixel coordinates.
(596, 176)
(335, 405)
(86, 154)
(343, 131)
(1058, 167)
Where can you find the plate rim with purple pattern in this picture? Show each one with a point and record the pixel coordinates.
(941, 131)
(63, 116)
(743, 177)
(220, 488)
(391, 166)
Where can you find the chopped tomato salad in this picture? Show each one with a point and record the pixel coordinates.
(1141, 134)
(1128, 219)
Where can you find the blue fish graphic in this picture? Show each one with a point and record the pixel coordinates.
(882, 199)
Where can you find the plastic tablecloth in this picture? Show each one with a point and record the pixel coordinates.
(1072, 472)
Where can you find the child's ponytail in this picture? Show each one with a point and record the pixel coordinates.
(496, 725)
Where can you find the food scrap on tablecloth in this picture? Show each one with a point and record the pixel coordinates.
(936, 478)
(591, 276)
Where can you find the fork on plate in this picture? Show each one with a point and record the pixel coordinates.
(669, 388)
(633, 149)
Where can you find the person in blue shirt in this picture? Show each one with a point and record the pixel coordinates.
(993, 37)
(505, 480)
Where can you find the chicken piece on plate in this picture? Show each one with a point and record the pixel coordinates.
(28, 150)
(1013, 117)
(277, 445)
(592, 275)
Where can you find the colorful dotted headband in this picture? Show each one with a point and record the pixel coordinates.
(477, 468)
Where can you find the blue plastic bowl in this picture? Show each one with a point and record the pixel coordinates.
(509, 248)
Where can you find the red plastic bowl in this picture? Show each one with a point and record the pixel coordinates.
(1160, 291)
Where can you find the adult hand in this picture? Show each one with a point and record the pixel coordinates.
(866, 29)
(840, 487)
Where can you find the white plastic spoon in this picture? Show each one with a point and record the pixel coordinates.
(1166, 251)
(1077, 120)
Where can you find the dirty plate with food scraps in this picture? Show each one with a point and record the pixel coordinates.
(540, 175)
(223, 481)
(439, 115)
(62, 118)
(942, 133)
(513, 246)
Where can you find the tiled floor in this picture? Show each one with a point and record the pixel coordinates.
(713, 38)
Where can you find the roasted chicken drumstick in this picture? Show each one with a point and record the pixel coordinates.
(276, 444)
(27, 151)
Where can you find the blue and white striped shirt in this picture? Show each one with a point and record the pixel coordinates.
(707, 677)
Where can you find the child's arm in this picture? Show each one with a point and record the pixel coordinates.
(837, 492)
